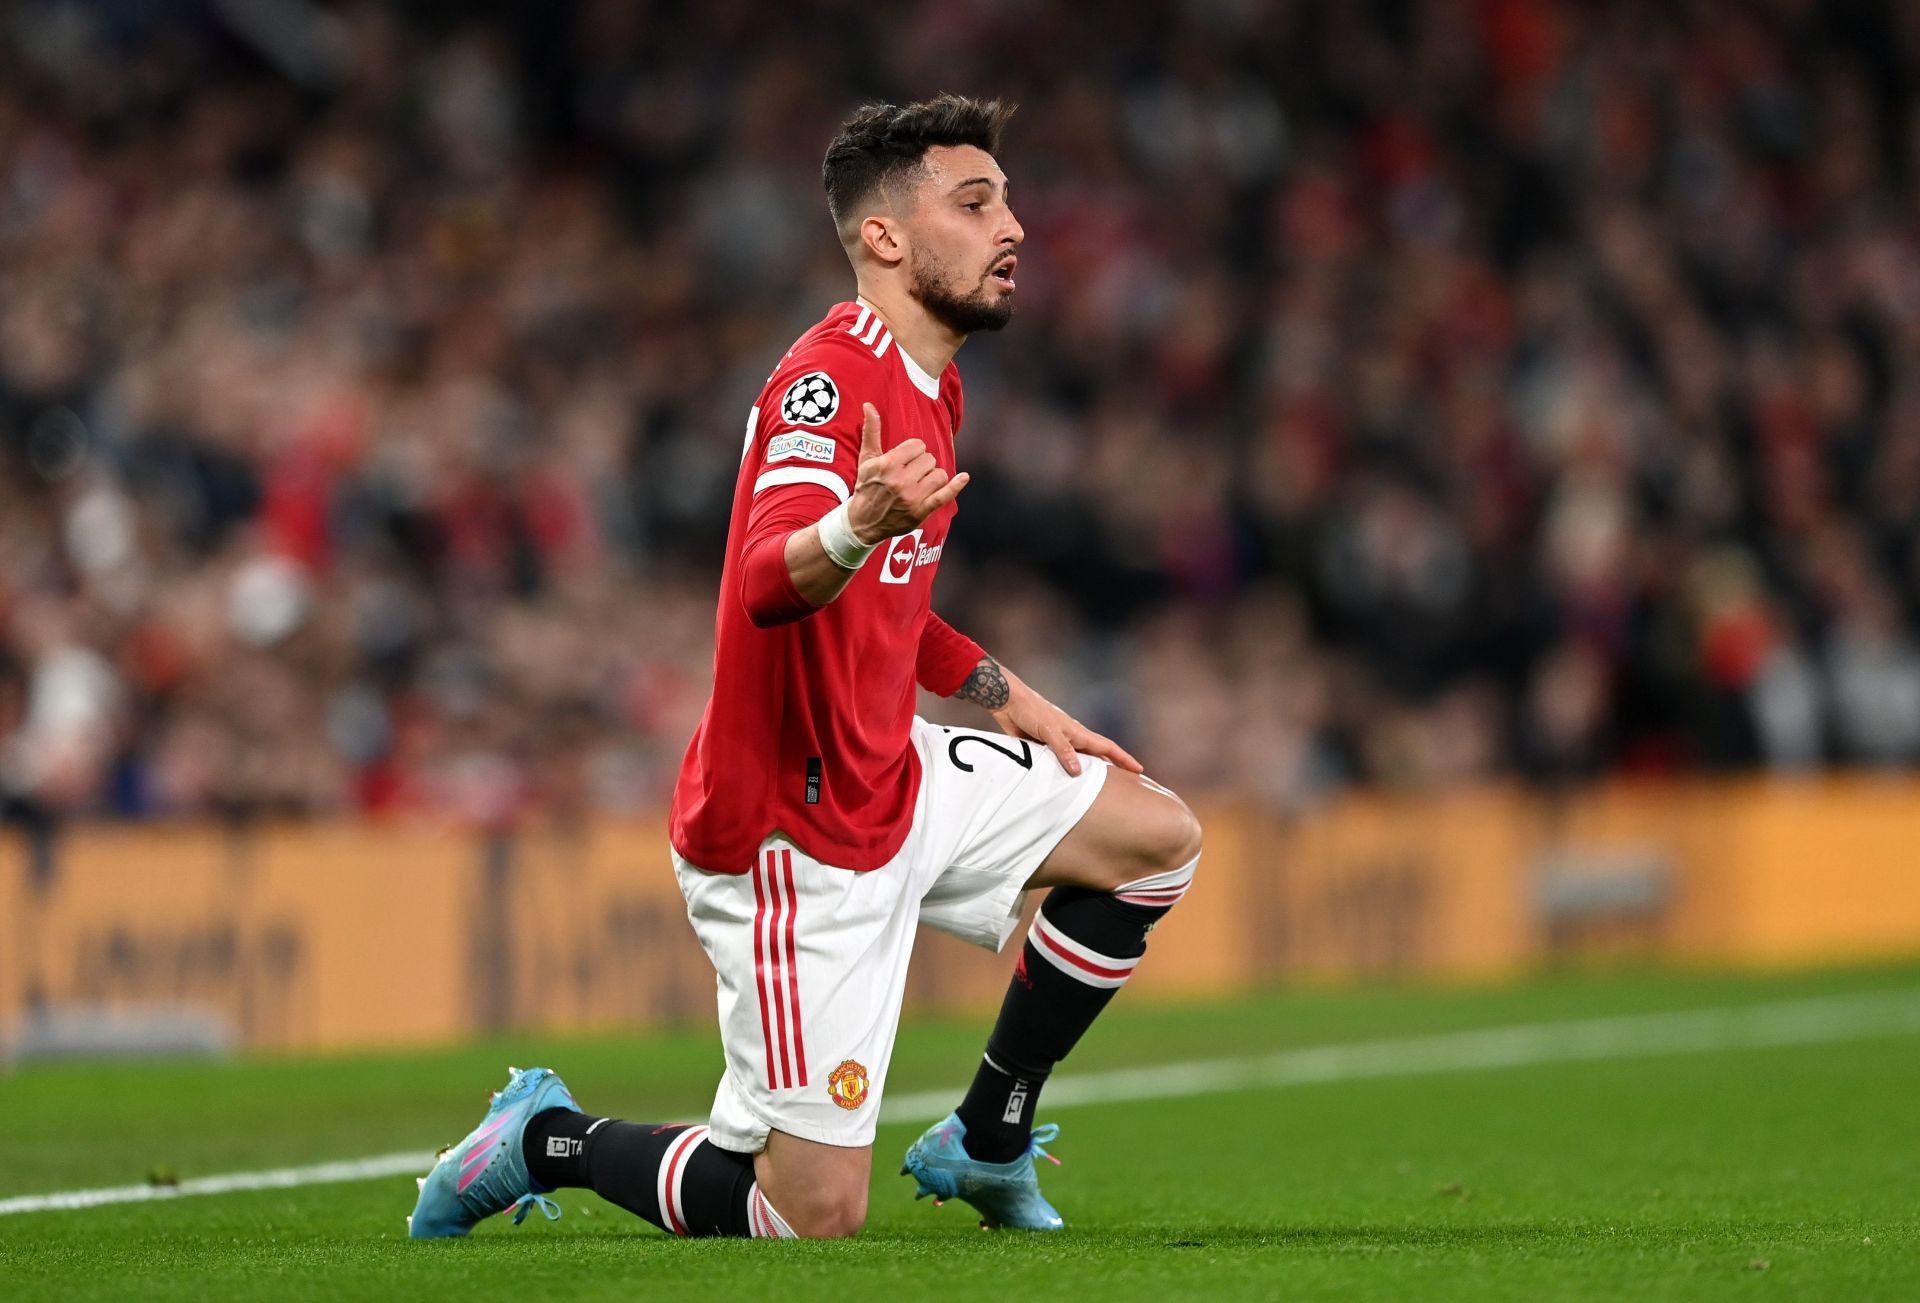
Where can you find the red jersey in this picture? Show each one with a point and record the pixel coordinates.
(808, 728)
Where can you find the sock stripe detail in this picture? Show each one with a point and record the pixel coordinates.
(597, 1125)
(1159, 889)
(764, 1221)
(673, 1171)
(1079, 962)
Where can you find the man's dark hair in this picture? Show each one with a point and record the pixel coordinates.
(884, 144)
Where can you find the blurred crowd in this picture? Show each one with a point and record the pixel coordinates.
(1402, 393)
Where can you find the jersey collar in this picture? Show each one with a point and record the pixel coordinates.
(926, 384)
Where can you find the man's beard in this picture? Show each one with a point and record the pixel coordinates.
(966, 315)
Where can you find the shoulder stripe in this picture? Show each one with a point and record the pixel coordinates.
(886, 338)
(803, 475)
(860, 322)
(872, 332)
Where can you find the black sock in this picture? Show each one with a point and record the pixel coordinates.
(998, 1111)
(1082, 948)
(620, 1162)
(555, 1147)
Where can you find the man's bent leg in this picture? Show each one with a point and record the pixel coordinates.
(1113, 877)
(672, 1175)
(812, 964)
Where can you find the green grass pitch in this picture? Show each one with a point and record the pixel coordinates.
(1791, 1171)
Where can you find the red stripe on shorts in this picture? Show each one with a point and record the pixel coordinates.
(793, 965)
(779, 963)
(760, 968)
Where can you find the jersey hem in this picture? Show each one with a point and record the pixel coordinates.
(694, 863)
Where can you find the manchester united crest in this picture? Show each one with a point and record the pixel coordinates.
(847, 1085)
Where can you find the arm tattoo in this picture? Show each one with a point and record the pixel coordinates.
(986, 686)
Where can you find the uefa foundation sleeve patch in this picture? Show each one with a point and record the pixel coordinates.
(794, 445)
(810, 400)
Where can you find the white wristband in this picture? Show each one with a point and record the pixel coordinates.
(841, 544)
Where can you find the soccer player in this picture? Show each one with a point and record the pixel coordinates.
(817, 821)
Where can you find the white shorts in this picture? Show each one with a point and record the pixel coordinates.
(812, 959)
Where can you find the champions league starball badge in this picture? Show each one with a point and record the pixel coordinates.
(810, 400)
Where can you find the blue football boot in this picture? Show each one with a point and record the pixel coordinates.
(1007, 1194)
(486, 1173)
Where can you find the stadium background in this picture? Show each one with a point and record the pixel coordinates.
(1471, 449)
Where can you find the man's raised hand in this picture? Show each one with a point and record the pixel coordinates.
(896, 490)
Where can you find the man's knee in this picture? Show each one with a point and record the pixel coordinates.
(1185, 837)
(1169, 837)
(819, 1191)
(1137, 829)
(830, 1214)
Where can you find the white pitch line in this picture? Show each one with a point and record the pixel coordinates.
(279, 1178)
(1823, 1021)
(1700, 1031)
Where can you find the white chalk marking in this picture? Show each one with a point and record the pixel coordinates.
(279, 1178)
(1699, 1031)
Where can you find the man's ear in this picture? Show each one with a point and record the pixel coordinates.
(884, 239)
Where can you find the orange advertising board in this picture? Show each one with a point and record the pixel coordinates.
(334, 935)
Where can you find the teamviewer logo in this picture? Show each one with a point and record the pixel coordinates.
(897, 566)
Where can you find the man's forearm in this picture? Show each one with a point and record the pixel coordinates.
(787, 576)
(1022, 712)
(816, 576)
(987, 686)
